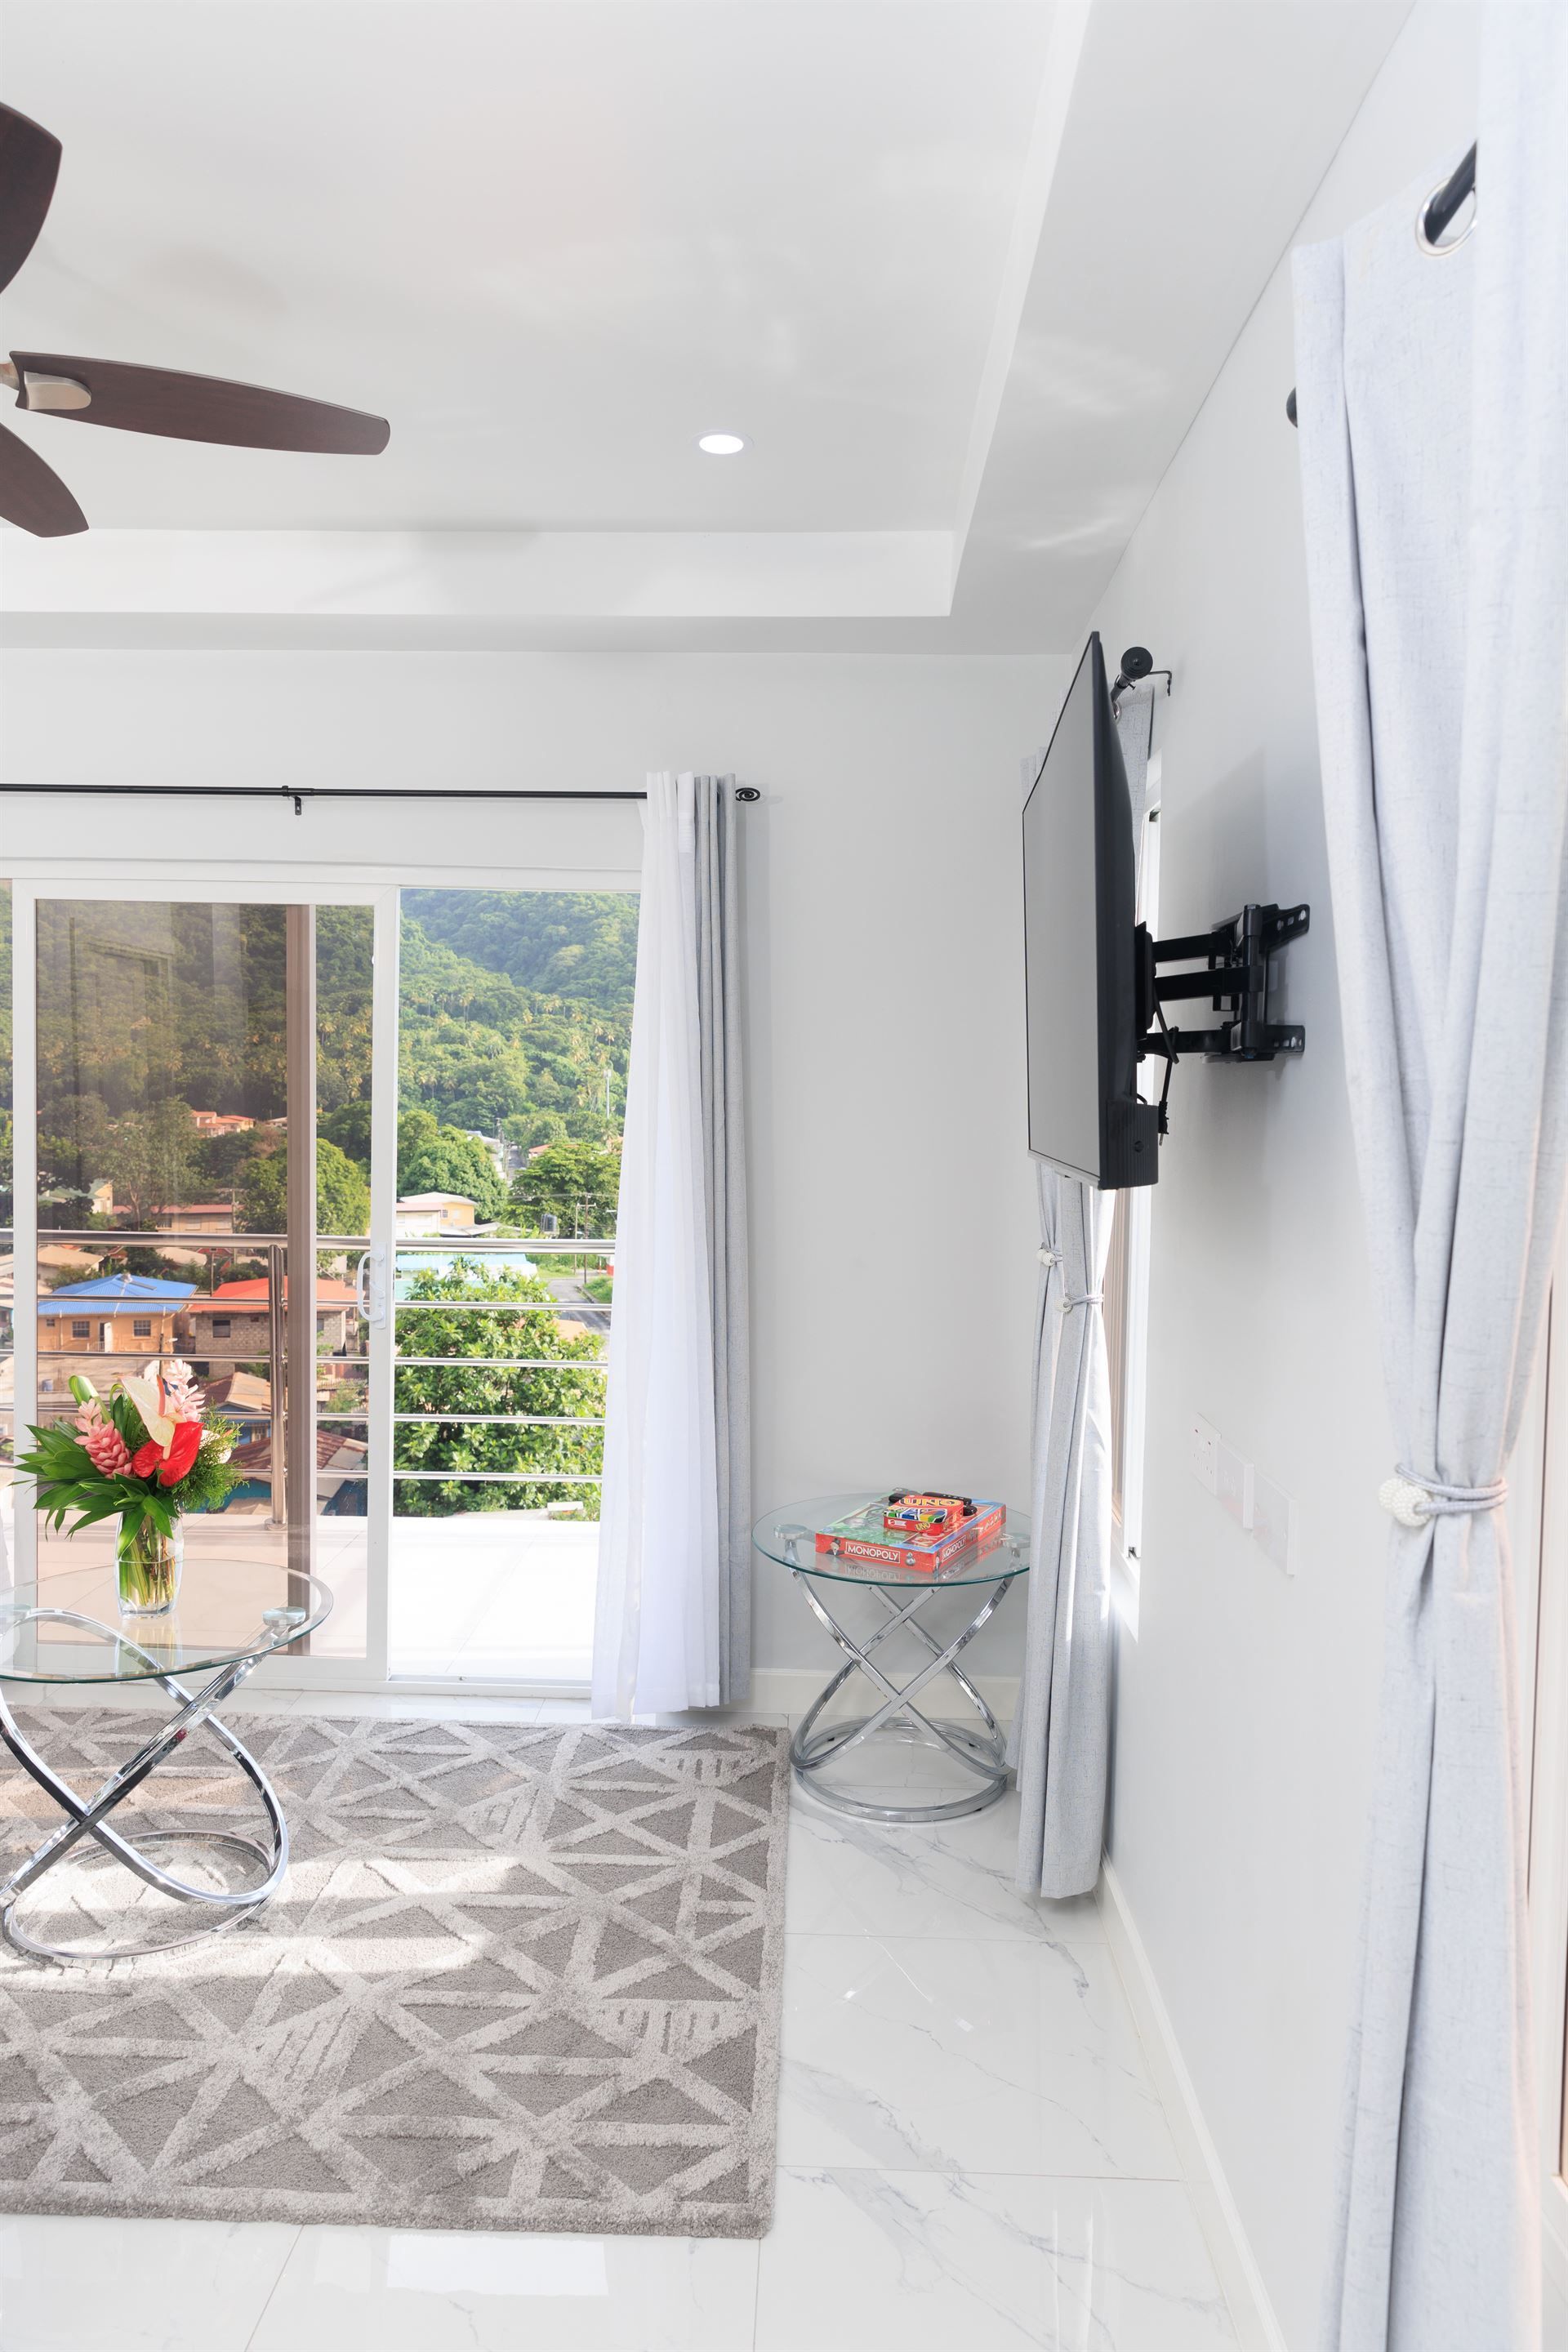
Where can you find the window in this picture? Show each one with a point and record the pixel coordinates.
(141, 1327)
(82, 1330)
(223, 1327)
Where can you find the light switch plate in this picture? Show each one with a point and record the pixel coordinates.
(1235, 1485)
(1273, 1523)
(1204, 1454)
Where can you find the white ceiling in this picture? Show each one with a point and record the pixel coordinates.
(552, 243)
(892, 241)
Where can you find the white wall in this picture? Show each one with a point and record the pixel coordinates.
(1245, 1705)
(893, 1231)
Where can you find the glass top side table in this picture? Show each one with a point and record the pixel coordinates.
(977, 1750)
(229, 1616)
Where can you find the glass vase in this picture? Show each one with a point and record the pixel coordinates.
(148, 1563)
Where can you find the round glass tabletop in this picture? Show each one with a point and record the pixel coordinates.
(812, 1538)
(70, 1629)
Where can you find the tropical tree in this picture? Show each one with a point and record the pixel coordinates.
(526, 1129)
(149, 1156)
(348, 1127)
(578, 1183)
(552, 1369)
(436, 1158)
(342, 1194)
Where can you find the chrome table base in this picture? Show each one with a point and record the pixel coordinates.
(88, 1817)
(981, 1752)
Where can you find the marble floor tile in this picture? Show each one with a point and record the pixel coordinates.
(563, 1710)
(972, 2155)
(415, 2291)
(69, 2285)
(917, 2262)
(898, 1765)
(923, 2055)
(446, 1706)
(848, 1876)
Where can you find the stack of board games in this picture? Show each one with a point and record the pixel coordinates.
(910, 1528)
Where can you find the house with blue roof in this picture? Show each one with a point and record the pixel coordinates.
(130, 1315)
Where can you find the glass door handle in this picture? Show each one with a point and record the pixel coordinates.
(370, 1286)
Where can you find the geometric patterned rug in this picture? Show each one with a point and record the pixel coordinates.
(517, 1978)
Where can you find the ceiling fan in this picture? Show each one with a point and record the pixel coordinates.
(134, 399)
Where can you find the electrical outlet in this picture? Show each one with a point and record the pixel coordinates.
(1204, 1454)
(1234, 1485)
(1273, 1523)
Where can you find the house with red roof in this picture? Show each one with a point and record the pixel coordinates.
(232, 1322)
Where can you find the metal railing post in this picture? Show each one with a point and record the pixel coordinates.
(276, 1373)
(300, 1284)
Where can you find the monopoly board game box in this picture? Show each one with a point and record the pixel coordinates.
(912, 1529)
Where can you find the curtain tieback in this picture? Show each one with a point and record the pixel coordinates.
(1089, 1299)
(1048, 1257)
(1413, 1501)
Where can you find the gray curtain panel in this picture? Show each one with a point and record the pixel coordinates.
(1058, 1739)
(1433, 398)
(724, 1144)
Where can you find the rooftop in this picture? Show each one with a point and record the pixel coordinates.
(330, 1292)
(116, 1290)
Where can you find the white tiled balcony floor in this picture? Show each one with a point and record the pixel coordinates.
(496, 1595)
(972, 2155)
(485, 1596)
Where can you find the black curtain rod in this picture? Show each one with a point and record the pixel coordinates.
(300, 793)
(1438, 210)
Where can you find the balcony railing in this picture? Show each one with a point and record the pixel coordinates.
(591, 1315)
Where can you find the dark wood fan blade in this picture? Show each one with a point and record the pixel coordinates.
(29, 163)
(32, 494)
(205, 408)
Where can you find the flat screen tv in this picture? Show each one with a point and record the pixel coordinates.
(1085, 1116)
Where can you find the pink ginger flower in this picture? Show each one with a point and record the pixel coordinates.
(182, 1397)
(102, 1441)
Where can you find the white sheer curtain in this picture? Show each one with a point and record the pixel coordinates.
(671, 1628)
(1433, 396)
(1059, 1737)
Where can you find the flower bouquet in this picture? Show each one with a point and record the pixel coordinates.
(145, 1453)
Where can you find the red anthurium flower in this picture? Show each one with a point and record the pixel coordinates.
(171, 1466)
(184, 1447)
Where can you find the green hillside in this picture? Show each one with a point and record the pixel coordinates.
(516, 1009)
(570, 943)
(515, 1018)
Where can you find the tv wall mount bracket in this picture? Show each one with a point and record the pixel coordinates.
(1236, 979)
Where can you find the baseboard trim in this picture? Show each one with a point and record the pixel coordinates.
(1255, 2324)
(1554, 2233)
(789, 1690)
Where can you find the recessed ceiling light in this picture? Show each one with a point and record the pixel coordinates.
(722, 445)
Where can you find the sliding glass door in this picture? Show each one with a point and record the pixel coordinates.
(176, 1203)
(514, 1024)
(353, 1156)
